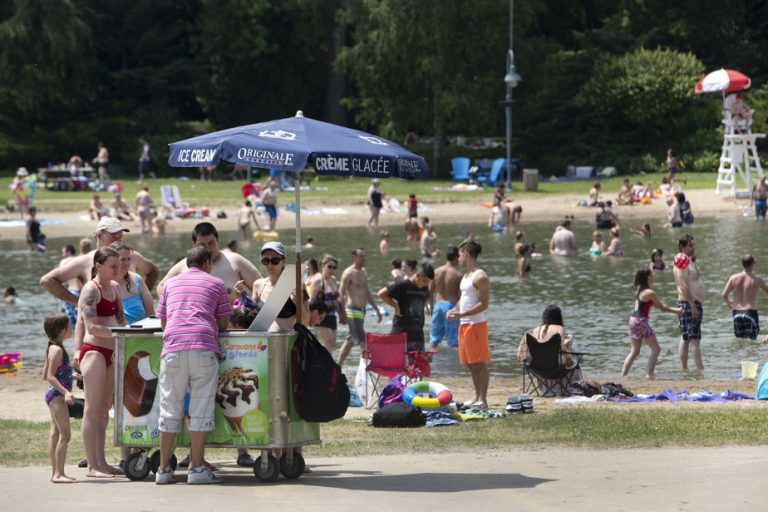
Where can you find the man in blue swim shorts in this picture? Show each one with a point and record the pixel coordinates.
(759, 197)
(744, 285)
(269, 200)
(445, 292)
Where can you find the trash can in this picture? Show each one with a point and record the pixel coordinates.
(531, 179)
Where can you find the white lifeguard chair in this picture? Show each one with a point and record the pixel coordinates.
(739, 154)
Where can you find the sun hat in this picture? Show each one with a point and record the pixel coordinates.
(273, 246)
(681, 261)
(110, 225)
(22, 172)
(375, 181)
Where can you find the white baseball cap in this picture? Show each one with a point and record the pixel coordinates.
(110, 225)
(273, 246)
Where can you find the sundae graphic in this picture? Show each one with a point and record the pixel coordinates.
(237, 393)
(140, 385)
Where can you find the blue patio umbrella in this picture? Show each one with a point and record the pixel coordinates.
(294, 143)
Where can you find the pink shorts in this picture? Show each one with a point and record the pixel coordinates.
(639, 328)
(473, 343)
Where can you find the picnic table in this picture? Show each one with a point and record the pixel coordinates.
(66, 178)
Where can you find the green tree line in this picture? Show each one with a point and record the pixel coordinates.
(605, 82)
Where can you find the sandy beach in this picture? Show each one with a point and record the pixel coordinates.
(538, 208)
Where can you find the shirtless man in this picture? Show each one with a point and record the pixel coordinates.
(237, 273)
(108, 230)
(744, 285)
(411, 229)
(355, 294)
(444, 291)
(690, 296)
(230, 267)
(269, 200)
(563, 242)
(625, 193)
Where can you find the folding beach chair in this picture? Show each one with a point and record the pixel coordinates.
(492, 178)
(171, 200)
(460, 168)
(545, 369)
(387, 357)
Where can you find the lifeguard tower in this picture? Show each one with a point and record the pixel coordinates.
(739, 154)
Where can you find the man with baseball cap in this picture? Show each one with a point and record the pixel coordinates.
(108, 231)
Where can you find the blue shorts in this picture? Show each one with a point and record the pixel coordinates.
(760, 208)
(271, 211)
(70, 309)
(442, 327)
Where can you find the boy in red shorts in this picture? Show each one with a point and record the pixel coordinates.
(473, 328)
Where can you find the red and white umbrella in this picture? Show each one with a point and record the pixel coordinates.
(723, 80)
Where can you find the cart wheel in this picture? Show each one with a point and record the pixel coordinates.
(272, 472)
(137, 466)
(154, 461)
(293, 471)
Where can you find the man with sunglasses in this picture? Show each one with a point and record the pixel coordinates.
(408, 299)
(237, 273)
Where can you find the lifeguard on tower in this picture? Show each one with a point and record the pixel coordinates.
(739, 152)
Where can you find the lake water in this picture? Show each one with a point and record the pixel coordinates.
(596, 294)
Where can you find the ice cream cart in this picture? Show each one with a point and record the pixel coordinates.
(254, 407)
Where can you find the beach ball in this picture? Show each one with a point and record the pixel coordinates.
(681, 261)
(205, 211)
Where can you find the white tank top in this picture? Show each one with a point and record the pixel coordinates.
(469, 299)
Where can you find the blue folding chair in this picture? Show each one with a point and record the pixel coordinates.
(492, 178)
(460, 168)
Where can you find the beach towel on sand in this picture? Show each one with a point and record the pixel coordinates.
(761, 391)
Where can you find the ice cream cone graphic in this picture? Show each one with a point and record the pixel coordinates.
(237, 393)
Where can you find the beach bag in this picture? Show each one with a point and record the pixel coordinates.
(320, 390)
(76, 409)
(392, 392)
(399, 415)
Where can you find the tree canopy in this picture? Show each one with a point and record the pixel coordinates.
(604, 81)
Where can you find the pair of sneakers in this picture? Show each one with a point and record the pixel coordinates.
(476, 406)
(195, 476)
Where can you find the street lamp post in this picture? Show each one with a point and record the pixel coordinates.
(511, 79)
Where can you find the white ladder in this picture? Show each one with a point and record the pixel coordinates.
(738, 156)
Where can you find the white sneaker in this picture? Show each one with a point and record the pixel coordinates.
(201, 476)
(164, 476)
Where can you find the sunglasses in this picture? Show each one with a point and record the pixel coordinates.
(271, 261)
(332, 267)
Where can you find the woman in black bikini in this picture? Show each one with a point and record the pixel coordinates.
(273, 260)
(100, 309)
(325, 283)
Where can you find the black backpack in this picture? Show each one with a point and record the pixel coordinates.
(399, 414)
(320, 391)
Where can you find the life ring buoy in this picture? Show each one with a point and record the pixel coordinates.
(438, 395)
(265, 235)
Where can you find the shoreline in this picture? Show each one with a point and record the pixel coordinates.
(22, 394)
(545, 208)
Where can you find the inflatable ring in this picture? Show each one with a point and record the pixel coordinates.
(439, 395)
(266, 235)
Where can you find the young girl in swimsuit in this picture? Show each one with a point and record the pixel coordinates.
(58, 373)
(639, 328)
(100, 309)
(657, 262)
